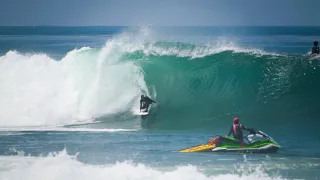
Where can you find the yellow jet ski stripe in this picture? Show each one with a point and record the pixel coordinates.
(199, 148)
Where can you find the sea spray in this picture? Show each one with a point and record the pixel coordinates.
(61, 166)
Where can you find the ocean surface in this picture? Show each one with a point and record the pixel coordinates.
(69, 97)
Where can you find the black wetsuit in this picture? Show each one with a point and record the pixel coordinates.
(315, 50)
(145, 103)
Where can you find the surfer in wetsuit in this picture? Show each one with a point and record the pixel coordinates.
(315, 48)
(236, 129)
(145, 102)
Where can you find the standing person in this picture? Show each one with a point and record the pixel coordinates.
(145, 102)
(315, 48)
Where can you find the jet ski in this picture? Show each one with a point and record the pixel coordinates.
(255, 142)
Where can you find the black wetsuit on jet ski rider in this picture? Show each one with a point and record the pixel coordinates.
(145, 102)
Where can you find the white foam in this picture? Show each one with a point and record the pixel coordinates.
(55, 129)
(145, 40)
(37, 90)
(313, 57)
(60, 166)
(6, 133)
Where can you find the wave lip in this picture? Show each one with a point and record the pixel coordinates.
(192, 51)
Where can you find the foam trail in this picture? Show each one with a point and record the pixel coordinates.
(55, 129)
(60, 166)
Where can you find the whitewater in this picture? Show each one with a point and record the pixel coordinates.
(41, 91)
(69, 97)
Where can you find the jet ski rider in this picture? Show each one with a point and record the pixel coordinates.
(236, 129)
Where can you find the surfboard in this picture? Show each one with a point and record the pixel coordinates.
(142, 113)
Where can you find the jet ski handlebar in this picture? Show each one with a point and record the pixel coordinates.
(252, 131)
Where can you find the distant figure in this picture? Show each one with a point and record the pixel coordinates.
(145, 102)
(315, 48)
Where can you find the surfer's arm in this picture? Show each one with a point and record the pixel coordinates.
(152, 100)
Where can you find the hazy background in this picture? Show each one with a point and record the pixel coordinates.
(160, 13)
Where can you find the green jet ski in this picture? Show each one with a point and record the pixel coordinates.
(255, 142)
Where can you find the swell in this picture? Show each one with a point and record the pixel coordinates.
(264, 90)
(198, 86)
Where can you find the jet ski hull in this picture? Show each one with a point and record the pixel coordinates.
(226, 144)
(269, 148)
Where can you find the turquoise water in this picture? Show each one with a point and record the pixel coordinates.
(69, 97)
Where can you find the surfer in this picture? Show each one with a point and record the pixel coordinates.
(145, 102)
(315, 48)
(236, 129)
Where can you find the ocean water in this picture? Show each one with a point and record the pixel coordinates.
(68, 97)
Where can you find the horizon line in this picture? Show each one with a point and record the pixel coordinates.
(159, 25)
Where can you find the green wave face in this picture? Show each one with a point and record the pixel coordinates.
(200, 88)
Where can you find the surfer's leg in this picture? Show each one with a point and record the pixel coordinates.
(145, 107)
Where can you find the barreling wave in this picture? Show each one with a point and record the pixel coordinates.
(198, 86)
(263, 89)
(37, 90)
